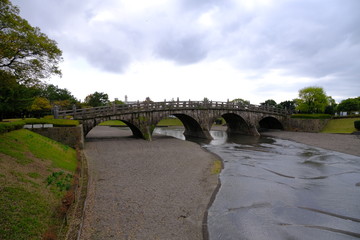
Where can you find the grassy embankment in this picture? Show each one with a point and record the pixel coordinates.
(337, 125)
(342, 125)
(35, 173)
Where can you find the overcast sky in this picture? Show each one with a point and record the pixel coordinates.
(191, 49)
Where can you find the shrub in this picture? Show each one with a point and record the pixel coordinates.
(10, 126)
(357, 125)
(311, 116)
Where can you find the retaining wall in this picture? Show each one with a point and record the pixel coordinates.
(307, 125)
(71, 136)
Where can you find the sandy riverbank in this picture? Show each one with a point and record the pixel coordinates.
(345, 143)
(146, 190)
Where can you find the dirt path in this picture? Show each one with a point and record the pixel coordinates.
(145, 190)
(345, 143)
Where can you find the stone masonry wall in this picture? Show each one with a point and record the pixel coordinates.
(71, 136)
(307, 125)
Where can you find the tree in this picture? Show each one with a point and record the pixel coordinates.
(270, 103)
(289, 105)
(349, 105)
(241, 101)
(331, 107)
(312, 100)
(97, 99)
(40, 105)
(58, 96)
(15, 98)
(25, 52)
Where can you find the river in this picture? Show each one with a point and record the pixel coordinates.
(280, 189)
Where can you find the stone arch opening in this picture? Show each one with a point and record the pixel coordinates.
(236, 124)
(90, 124)
(192, 127)
(135, 130)
(270, 123)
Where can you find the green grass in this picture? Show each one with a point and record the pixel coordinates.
(13, 124)
(170, 122)
(311, 116)
(24, 214)
(35, 173)
(343, 125)
(112, 123)
(23, 145)
(216, 167)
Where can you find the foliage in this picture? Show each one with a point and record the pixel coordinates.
(117, 101)
(26, 52)
(10, 126)
(343, 125)
(349, 105)
(18, 124)
(15, 98)
(289, 105)
(357, 125)
(240, 101)
(269, 102)
(55, 122)
(60, 180)
(311, 116)
(312, 100)
(40, 104)
(58, 96)
(97, 99)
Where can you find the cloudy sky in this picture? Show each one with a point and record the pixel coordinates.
(191, 49)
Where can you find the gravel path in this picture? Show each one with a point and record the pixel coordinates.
(345, 143)
(145, 190)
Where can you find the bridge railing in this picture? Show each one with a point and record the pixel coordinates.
(114, 109)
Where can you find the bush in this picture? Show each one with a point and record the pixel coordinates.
(10, 126)
(311, 116)
(357, 125)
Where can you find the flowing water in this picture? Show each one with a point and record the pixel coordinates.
(279, 189)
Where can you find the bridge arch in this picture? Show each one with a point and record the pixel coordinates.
(236, 124)
(191, 125)
(270, 122)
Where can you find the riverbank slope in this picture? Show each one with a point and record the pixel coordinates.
(345, 143)
(146, 190)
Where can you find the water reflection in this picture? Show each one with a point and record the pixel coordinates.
(279, 189)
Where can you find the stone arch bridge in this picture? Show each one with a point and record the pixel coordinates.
(196, 116)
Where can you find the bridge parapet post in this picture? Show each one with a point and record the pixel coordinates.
(74, 110)
(56, 111)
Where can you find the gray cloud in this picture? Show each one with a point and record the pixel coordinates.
(304, 38)
(187, 50)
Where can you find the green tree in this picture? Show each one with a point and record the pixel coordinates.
(25, 52)
(331, 107)
(289, 105)
(40, 106)
(269, 102)
(15, 98)
(312, 100)
(97, 99)
(58, 96)
(240, 101)
(349, 105)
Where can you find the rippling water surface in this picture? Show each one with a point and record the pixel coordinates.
(279, 189)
